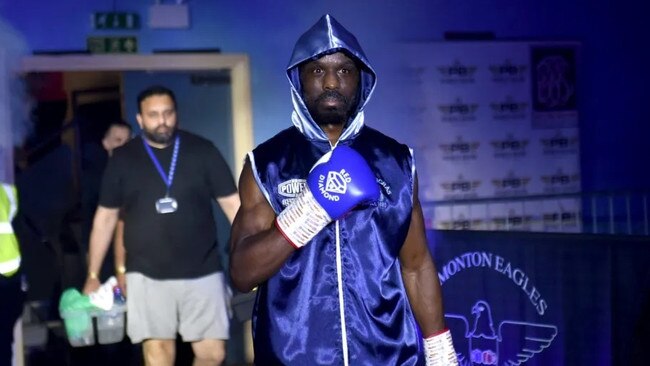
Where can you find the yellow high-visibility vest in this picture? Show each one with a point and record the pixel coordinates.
(9, 250)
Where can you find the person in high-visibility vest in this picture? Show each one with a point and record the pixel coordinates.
(12, 296)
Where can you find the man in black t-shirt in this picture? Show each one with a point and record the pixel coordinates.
(162, 184)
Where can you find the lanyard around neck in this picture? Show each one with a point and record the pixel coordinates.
(169, 178)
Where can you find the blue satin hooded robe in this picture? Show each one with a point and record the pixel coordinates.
(340, 300)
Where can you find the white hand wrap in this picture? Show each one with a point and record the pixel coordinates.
(302, 220)
(439, 350)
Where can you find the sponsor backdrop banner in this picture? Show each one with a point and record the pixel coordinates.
(544, 299)
(495, 120)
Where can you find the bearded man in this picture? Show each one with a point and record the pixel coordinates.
(161, 184)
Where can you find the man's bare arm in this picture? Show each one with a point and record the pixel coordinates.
(230, 205)
(420, 275)
(257, 248)
(100, 239)
(119, 255)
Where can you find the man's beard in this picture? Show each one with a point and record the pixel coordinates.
(163, 138)
(332, 115)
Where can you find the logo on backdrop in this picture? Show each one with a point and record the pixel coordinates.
(509, 109)
(460, 188)
(554, 80)
(508, 72)
(559, 144)
(457, 73)
(460, 222)
(459, 150)
(560, 182)
(563, 220)
(480, 339)
(509, 147)
(458, 111)
(554, 87)
(512, 221)
(510, 185)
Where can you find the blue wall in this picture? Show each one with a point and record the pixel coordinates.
(612, 71)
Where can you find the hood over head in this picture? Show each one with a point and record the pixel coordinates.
(325, 37)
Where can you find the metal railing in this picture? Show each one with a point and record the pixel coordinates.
(612, 212)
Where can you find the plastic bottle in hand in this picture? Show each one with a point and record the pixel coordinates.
(103, 296)
(118, 296)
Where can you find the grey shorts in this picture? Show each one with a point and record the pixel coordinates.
(195, 308)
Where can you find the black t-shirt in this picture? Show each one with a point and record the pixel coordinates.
(182, 244)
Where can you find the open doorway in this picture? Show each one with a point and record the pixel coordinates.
(236, 65)
(97, 89)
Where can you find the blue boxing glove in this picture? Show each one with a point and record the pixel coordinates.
(338, 182)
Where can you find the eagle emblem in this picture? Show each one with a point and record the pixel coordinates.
(510, 343)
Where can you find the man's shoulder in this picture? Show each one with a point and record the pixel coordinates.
(196, 144)
(127, 150)
(377, 137)
(282, 138)
(191, 138)
(284, 134)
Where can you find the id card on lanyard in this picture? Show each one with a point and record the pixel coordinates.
(165, 204)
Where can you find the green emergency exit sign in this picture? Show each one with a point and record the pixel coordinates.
(112, 44)
(115, 20)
